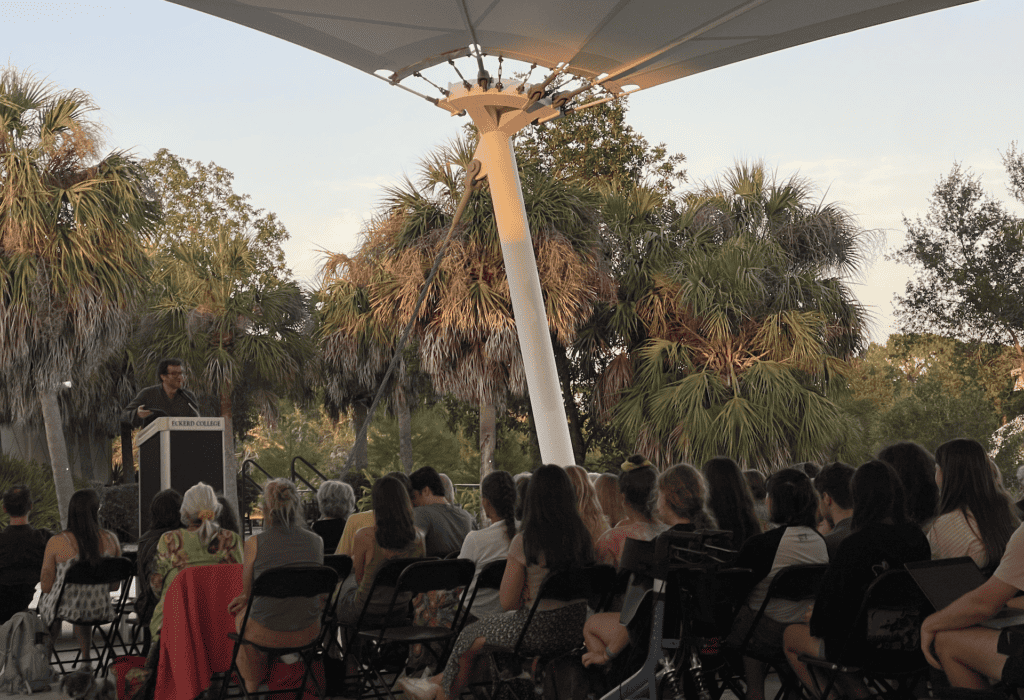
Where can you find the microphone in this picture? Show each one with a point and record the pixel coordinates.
(191, 404)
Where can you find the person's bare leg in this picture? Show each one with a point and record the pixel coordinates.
(603, 631)
(83, 633)
(252, 665)
(754, 672)
(797, 640)
(969, 656)
(465, 668)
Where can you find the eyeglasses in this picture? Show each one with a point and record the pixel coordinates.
(176, 374)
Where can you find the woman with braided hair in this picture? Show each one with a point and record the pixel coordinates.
(636, 484)
(498, 500)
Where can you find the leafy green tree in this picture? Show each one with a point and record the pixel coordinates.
(738, 325)
(72, 262)
(222, 299)
(968, 257)
(306, 432)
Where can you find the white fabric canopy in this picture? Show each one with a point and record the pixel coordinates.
(638, 43)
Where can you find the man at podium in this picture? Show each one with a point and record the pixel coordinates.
(167, 398)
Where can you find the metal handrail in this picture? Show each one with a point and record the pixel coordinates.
(246, 520)
(296, 475)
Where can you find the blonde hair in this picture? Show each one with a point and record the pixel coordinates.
(200, 505)
(586, 501)
(281, 505)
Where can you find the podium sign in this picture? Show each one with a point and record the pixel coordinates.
(178, 453)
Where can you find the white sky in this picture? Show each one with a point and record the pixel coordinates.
(875, 117)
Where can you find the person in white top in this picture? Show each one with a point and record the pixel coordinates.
(976, 515)
(498, 500)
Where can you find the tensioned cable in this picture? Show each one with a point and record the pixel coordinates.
(472, 172)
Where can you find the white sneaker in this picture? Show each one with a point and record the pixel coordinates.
(417, 688)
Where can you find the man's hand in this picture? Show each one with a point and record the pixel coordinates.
(142, 413)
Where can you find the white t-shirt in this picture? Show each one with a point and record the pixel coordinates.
(483, 547)
(953, 535)
(1011, 566)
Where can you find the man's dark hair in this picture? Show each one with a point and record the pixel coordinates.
(164, 364)
(404, 478)
(427, 477)
(18, 501)
(834, 480)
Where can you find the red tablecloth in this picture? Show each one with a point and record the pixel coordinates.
(194, 640)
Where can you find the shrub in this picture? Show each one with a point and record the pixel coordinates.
(39, 479)
(119, 511)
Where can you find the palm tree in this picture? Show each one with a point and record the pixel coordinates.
(737, 334)
(72, 261)
(243, 336)
(465, 329)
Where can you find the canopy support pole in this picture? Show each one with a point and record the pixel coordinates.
(499, 115)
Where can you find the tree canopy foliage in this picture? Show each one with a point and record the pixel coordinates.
(968, 259)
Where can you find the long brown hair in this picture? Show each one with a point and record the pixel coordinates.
(730, 500)
(392, 514)
(84, 524)
(685, 494)
(969, 485)
(552, 527)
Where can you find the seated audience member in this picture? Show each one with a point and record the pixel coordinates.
(758, 491)
(522, 482)
(201, 541)
(881, 539)
(680, 504)
(553, 538)
(809, 468)
(972, 656)
(276, 621)
(498, 500)
(357, 521)
(449, 488)
(228, 519)
(393, 536)
(21, 554)
(164, 516)
(916, 469)
(84, 540)
(607, 487)
(586, 501)
(337, 500)
(833, 484)
(635, 484)
(793, 505)
(976, 516)
(444, 526)
(730, 500)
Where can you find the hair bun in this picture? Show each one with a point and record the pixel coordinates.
(635, 462)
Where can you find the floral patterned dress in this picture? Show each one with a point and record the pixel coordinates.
(180, 549)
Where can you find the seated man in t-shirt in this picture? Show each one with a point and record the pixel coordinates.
(971, 655)
(21, 554)
(444, 525)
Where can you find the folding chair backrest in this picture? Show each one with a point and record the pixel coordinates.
(797, 582)
(887, 633)
(591, 583)
(108, 570)
(436, 575)
(295, 582)
(491, 575)
(341, 563)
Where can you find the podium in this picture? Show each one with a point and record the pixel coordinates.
(178, 453)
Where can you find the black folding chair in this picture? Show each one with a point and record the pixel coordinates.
(593, 583)
(286, 582)
(883, 646)
(796, 583)
(417, 577)
(489, 579)
(342, 565)
(108, 571)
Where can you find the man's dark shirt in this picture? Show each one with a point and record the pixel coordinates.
(21, 561)
(155, 397)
